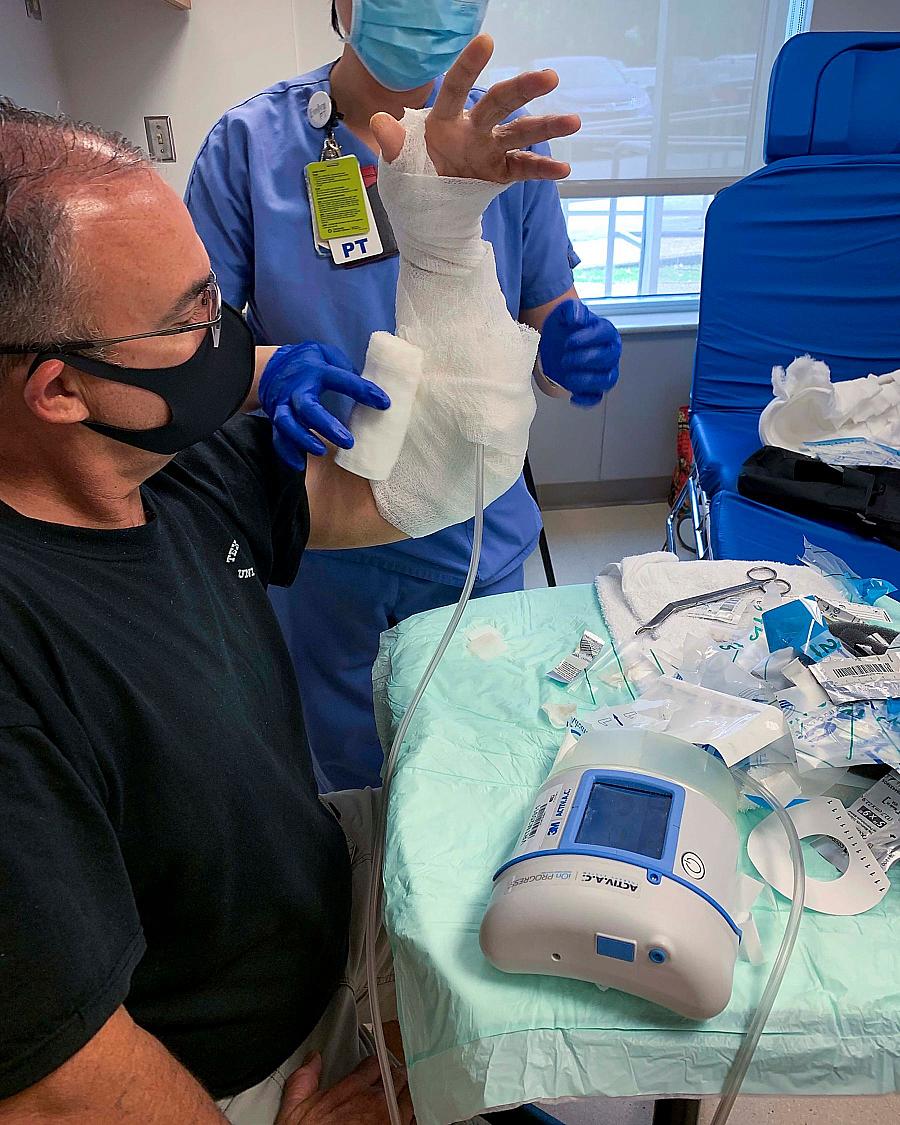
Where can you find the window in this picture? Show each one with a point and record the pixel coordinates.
(672, 96)
(637, 246)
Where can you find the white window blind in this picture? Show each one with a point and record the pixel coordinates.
(672, 93)
(672, 96)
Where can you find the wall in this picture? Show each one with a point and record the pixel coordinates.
(625, 449)
(124, 59)
(29, 73)
(856, 15)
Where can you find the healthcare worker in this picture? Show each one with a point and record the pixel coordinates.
(250, 202)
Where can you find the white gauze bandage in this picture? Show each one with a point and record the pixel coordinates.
(476, 361)
(396, 366)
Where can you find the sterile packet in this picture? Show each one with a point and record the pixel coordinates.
(722, 668)
(639, 715)
(879, 807)
(625, 672)
(571, 667)
(856, 589)
(736, 728)
(853, 451)
(877, 817)
(860, 677)
(744, 648)
(800, 625)
(854, 734)
(729, 611)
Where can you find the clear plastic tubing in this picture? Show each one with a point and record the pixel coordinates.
(743, 1058)
(373, 917)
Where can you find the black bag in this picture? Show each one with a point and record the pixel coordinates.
(864, 499)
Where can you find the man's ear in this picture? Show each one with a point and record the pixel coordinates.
(54, 393)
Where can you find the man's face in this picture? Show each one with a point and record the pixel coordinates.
(145, 268)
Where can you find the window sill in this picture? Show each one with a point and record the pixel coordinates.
(630, 323)
(655, 316)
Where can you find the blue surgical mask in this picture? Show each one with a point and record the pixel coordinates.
(407, 43)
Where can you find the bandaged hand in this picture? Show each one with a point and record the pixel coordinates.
(480, 143)
(459, 368)
(466, 365)
(290, 391)
(580, 351)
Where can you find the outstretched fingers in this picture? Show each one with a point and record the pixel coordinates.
(527, 131)
(506, 97)
(533, 166)
(450, 102)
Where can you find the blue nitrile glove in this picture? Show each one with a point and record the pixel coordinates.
(580, 351)
(290, 390)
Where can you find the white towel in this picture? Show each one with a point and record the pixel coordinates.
(808, 407)
(636, 589)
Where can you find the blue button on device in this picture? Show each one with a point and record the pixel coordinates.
(615, 947)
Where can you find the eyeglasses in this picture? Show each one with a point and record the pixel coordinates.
(210, 298)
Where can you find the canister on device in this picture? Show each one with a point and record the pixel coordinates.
(626, 875)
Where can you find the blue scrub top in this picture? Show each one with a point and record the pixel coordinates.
(248, 200)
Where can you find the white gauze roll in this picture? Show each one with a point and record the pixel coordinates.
(396, 366)
(477, 361)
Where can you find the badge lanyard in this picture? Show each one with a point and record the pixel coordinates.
(348, 221)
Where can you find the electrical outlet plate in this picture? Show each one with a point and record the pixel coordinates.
(160, 142)
(33, 9)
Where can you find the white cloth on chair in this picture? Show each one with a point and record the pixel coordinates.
(809, 407)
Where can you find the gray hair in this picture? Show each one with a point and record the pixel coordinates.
(41, 156)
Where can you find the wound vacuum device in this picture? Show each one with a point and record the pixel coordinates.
(625, 874)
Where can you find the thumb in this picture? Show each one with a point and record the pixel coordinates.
(300, 1087)
(575, 314)
(566, 318)
(389, 134)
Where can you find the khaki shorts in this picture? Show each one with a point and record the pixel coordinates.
(339, 1036)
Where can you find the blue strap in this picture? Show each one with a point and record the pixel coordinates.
(592, 853)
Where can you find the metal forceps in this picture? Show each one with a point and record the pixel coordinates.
(759, 577)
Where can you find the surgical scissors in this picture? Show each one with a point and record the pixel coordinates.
(759, 577)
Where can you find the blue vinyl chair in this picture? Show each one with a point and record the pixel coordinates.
(800, 257)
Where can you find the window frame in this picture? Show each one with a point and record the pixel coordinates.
(663, 310)
(660, 308)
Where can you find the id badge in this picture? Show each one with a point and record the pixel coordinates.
(348, 251)
(375, 245)
(381, 242)
(337, 198)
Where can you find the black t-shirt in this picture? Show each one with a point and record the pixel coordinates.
(161, 841)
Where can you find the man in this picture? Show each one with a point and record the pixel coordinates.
(249, 203)
(179, 922)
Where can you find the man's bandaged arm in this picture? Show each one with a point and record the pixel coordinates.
(459, 368)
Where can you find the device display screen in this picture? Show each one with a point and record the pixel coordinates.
(626, 818)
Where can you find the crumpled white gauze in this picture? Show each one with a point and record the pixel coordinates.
(809, 407)
(477, 361)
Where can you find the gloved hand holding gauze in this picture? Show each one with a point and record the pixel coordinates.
(461, 360)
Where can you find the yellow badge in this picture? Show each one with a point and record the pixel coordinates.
(338, 198)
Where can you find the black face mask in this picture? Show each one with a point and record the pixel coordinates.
(201, 394)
